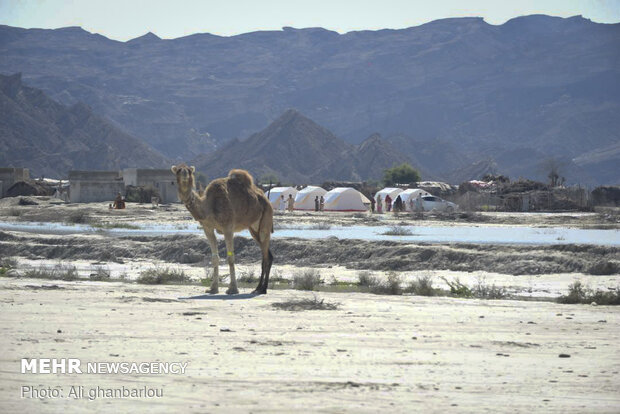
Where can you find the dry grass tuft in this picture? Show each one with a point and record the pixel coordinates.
(306, 304)
(163, 276)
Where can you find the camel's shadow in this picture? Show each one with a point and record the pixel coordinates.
(222, 296)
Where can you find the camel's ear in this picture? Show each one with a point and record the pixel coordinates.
(193, 169)
(174, 169)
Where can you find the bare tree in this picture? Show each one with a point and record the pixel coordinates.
(554, 167)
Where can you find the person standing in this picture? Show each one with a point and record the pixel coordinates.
(282, 205)
(398, 205)
(379, 204)
(316, 203)
(372, 204)
(291, 202)
(411, 204)
(388, 203)
(321, 203)
(418, 203)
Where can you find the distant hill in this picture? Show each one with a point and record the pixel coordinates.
(49, 138)
(298, 150)
(518, 93)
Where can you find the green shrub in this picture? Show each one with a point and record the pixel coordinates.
(58, 272)
(307, 280)
(398, 231)
(366, 279)
(422, 286)
(483, 291)
(99, 273)
(247, 277)
(391, 286)
(577, 293)
(457, 288)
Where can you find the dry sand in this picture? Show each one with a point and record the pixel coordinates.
(388, 353)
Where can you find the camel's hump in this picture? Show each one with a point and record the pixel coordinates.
(242, 176)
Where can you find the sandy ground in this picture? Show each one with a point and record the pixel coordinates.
(388, 353)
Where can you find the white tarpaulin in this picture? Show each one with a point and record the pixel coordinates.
(345, 199)
(275, 195)
(392, 192)
(305, 198)
(411, 194)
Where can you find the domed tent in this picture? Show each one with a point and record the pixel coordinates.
(305, 198)
(391, 191)
(411, 194)
(345, 199)
(275, 193)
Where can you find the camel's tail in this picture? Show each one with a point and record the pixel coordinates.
(241, 176)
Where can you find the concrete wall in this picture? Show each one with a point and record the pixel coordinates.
(163, 180)
(92, 186)
(10, 176)
(91, 191)
(76, 175)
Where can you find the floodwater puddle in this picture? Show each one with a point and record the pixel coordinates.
(430, 234)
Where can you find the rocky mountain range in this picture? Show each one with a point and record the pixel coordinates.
(50, 138)
(455, 96)
(297, 150)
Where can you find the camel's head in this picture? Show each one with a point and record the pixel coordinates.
(185, 176)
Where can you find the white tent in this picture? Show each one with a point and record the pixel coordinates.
(392, 192)
(276, 192)
(345, 199)
(305, 198)
(411, 194)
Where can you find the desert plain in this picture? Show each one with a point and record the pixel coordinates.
(356, 352)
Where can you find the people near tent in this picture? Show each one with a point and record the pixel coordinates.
(418, 203)
(119, 203)
(398, 205)
(379, 204)
(282, 205)
(388, 203)
(290, 202)
(321, 203)
(316, 203)
(372, 204)
(411, 204)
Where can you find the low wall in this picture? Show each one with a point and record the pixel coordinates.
(91, 191)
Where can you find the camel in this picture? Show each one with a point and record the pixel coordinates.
(229, 205)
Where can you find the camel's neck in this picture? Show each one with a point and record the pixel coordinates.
(192, 203)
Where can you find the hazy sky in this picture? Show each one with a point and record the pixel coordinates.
(126, 19)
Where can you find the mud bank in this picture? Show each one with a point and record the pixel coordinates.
(353, 254)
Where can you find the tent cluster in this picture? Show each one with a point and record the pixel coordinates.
(338, 199)
(343, 198)
(406, 196)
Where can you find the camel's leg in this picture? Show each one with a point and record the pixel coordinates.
(215, 260)
(267, 262)
(256, 237)
(230, 255)
(263, 237)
